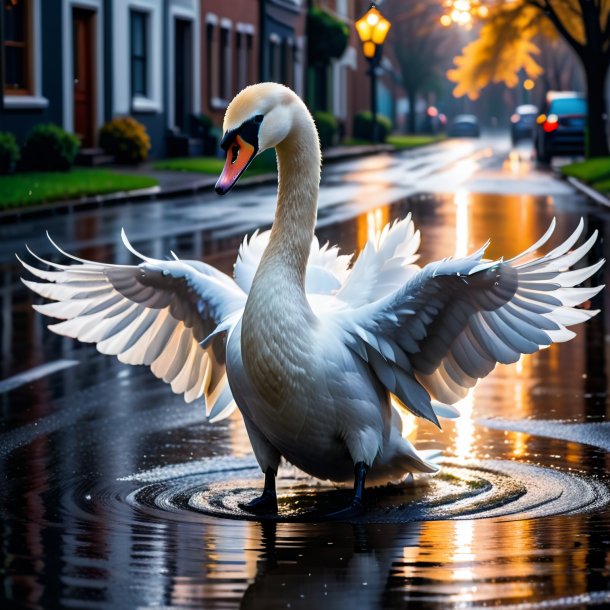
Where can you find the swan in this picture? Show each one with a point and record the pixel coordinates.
(320, 356)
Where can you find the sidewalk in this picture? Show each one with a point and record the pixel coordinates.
(589, 191)
(174, 184)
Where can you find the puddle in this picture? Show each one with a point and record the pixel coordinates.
(115, 494)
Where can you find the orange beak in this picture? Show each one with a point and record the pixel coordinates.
(239, 156)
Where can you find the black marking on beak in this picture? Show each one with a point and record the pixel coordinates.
(248, 130)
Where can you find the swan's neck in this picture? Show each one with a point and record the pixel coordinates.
(274, 338)
(298, 159)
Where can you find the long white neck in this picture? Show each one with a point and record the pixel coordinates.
(277, 316)
(298, 158)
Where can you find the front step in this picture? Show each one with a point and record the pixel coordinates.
(92, 157)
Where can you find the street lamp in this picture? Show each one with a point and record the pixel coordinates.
(372, 29)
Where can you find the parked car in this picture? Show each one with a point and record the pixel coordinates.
(560, 129)
(465, 126)
(522, 122)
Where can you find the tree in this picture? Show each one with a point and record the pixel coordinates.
(506, 45)
(419, 46)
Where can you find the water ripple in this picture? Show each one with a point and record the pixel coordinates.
(465, 490)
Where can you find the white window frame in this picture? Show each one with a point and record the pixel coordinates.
(123, 101)
(192, 15)
(227, 77)
(35, 100)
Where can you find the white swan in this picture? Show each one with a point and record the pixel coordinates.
(309, 349)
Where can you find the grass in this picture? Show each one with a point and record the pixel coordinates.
(263, 164)
(402, 142)
(399, 142)
(595, 172)
(29, 188)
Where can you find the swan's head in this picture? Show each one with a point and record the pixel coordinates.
(258, 118)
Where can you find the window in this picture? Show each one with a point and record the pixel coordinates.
(139, 53)
(17, 48)
(275, 58)
(243, 57)
(250, 56)
(225, 65)
(209, 47)
(288, 63)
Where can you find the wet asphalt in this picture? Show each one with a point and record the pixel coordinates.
(114, 492)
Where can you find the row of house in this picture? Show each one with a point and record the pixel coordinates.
(78, 63)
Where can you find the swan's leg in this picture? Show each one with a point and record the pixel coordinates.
(268, 458)
(266, 503)
(356, 507)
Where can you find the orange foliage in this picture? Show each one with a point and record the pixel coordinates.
(505, 45)
(503, 48)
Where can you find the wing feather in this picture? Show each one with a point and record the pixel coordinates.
(157, 313)
(454, 320)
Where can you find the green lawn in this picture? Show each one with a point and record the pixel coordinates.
(263, 164)
(29, 188)
(595, 172)
(402, 142)
(590, 170)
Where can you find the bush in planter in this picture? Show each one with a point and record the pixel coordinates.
(125, 139)
(328, 128)
(49, 148)
(327, 36)
(201, 124)
(363, 126)
(9, 152)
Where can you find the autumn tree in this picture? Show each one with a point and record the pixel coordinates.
(506, 45)
(420, 48)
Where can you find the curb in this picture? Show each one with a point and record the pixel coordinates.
(589, 191)
(191, 187)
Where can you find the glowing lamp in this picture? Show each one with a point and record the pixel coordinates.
(368, 48)
(372, 28)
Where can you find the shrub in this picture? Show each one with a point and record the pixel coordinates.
(201, 124)
(126, 139)
(328, 128)
(327, 36)
(363, 126)
(9, 152)
(49, 148)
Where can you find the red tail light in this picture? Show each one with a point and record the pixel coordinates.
(551, 123)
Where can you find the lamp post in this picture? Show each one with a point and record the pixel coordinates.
(372, 29)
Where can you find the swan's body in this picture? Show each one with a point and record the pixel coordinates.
(308, 349)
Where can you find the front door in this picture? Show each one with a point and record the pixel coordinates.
(183, 74)
(83, 53)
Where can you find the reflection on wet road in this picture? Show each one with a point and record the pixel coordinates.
(101, 465)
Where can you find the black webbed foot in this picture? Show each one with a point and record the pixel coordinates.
(266, 503)
(356, 508)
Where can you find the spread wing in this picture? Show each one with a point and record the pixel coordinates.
(172, 316)
(385, 263)
(451, 322)
(326, 269)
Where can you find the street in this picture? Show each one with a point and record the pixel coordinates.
(115, 493)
